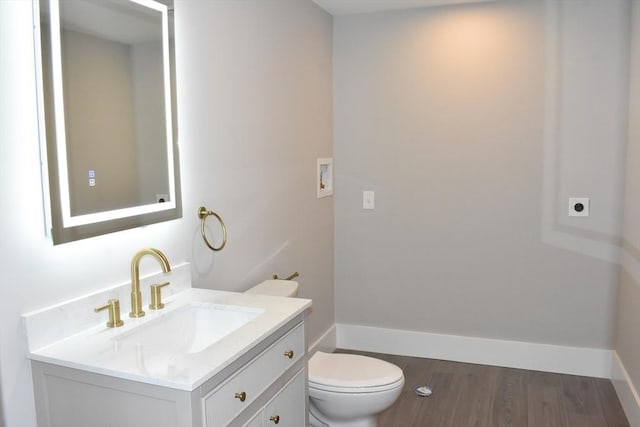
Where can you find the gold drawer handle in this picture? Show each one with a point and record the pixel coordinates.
(289, 354)
(242, 396)
(275, 419)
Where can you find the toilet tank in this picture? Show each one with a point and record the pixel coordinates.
(276, 288)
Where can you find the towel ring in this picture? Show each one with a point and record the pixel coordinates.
(203, 213)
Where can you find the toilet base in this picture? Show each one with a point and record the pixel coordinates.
(321, 421)
(314, 422)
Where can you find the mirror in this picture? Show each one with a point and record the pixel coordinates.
(107, 115)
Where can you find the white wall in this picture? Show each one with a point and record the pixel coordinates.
(627, 343)
(254, 88)
(444, 113)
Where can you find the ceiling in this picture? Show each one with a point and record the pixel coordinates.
(345, 7)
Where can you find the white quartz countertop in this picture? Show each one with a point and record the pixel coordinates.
(101, 350)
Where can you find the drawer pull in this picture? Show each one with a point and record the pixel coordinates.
(275, 419)
(242, 396)
(289, 354)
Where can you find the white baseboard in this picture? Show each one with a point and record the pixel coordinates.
(326, 342)
(539, 357)
(627, 393)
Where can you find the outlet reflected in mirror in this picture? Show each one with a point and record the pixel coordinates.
(107, 115)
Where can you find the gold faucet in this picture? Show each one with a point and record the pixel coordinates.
(136, 295)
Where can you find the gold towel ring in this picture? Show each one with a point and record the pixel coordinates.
(203, 213)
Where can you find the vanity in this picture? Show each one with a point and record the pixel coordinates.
(198, 358)
(208, 358)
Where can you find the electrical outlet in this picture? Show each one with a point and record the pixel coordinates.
(578, 206)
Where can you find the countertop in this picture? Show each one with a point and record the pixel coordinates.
(98, 349)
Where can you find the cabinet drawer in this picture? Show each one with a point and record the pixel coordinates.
(288, 408)
(235, 394)
(256, 421)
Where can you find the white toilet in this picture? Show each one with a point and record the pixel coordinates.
(345, 390)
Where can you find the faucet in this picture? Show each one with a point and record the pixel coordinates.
(136, 295)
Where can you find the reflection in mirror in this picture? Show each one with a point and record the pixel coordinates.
(107, 115)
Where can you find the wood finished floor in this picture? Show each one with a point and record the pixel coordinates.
(488, 396)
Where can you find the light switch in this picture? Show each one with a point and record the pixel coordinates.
(368, 200)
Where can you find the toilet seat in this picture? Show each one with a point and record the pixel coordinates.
(355, 390)
(351, 373)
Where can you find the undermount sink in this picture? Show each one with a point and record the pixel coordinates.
(190, 329)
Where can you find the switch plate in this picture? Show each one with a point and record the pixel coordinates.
(578, 206)
(368, 200)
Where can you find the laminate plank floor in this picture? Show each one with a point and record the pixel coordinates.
(466, 395)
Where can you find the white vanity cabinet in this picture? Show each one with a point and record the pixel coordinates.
(225, 402)
(256, 421)
(286, 408)
(265, 384)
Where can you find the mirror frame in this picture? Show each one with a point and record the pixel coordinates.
(60, 224)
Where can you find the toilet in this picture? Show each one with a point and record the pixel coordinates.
(348, 390)
(345, 390)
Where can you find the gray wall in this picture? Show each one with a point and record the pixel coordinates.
(254, 96)
(448, 115)
(255, 111)
(627, 343)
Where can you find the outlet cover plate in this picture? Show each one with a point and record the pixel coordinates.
(578, 206)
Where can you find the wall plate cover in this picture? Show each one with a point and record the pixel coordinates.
(368, 200)
(578, 206)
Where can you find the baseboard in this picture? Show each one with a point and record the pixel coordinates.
(627, 393)
(539, 357)
(326, 342)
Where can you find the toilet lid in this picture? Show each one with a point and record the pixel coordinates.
(351, 371)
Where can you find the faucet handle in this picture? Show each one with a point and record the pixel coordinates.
(293, 276)
(156, 296)
(113, 305)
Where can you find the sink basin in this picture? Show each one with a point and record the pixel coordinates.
(190, 329)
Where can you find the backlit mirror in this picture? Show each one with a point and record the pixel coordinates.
(107, 115)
